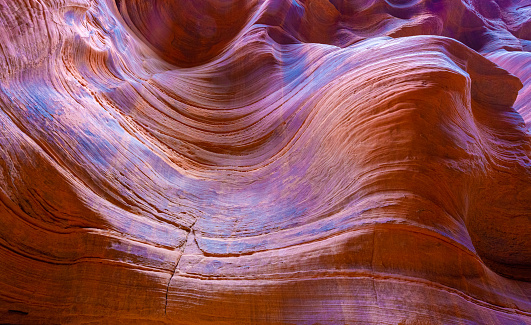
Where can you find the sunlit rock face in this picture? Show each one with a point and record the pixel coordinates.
(265, 161)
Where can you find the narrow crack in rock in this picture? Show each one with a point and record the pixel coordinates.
(372, 266)
(177, 265)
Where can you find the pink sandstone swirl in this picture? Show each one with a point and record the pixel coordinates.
(265, 162)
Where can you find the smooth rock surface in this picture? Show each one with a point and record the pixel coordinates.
(265, 162)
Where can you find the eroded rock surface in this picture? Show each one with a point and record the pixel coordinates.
(265, 161)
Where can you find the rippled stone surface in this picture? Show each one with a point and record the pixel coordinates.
(265, 161)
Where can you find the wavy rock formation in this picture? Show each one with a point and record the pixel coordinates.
(265, 161)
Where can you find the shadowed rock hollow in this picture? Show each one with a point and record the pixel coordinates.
(265, 161)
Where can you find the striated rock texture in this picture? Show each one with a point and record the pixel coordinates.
(265, 161)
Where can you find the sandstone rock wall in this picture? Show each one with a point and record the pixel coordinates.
(265, 161)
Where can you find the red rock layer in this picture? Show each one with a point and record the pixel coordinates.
(184, 162)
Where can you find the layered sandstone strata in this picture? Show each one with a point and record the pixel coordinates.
(265, 161)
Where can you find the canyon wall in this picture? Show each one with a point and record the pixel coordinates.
(265, 161)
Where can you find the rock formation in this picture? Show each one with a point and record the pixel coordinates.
(265, 161)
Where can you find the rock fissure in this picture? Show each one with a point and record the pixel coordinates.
(177, 264)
